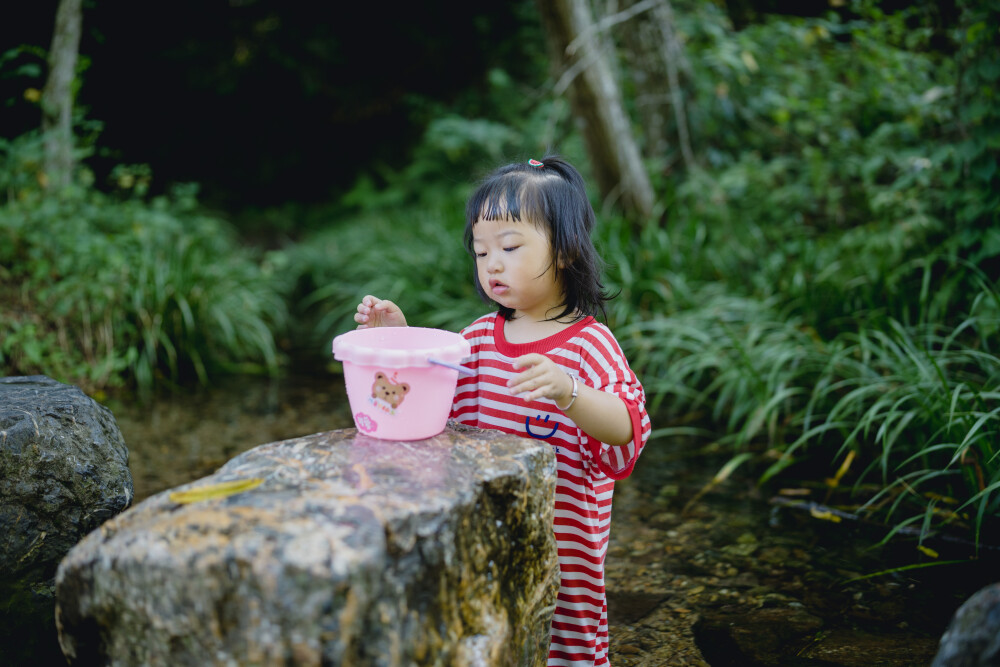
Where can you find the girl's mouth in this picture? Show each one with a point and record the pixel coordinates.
(498, 287)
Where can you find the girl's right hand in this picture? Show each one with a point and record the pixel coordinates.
(375, 312)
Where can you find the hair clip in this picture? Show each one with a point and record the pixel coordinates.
(535, 163)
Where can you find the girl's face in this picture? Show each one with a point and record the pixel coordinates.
(515, 267)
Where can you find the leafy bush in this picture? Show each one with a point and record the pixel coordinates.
(415, 259)
(821, 289)
(822, 282)
(97, 289)
(843, 161)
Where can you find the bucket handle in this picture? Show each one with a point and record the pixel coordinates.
(454, 367)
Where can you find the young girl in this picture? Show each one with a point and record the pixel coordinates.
(547, 369)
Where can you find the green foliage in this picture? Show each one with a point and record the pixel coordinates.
(916, 403)
(414, 259)
(924, 403)
(96, 289)
(502, 120)
(823, 281)
(974, 179)
(399, 233)
(815, 289)
(840, 162)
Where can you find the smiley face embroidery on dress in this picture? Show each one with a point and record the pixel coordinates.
(527, 427)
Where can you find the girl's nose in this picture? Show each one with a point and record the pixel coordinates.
(493, 264)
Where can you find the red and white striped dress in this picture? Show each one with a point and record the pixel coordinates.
(587, 468)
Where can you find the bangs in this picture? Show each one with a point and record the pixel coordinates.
(508, 198)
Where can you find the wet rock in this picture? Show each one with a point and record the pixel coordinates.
(973, 636)
(745, 545)
(760, 637)
(857, 648)
(631, 606)
(740, 580)
(774, 555)
(63, 471)
(351, 551)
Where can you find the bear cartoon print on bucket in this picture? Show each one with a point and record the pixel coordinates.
(400, 380)
(389, 392)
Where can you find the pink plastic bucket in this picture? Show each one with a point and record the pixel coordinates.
(395, 392)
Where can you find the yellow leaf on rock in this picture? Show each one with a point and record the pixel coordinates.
(220, 490)
(927, 551)
(826, 515)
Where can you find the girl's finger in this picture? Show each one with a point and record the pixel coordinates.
(522, 387)
(537, 394)
(520, 382)
(527, 360)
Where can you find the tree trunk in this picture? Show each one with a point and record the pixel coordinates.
(57, 98)
(596, 100)
(656, 61)
(642, 49)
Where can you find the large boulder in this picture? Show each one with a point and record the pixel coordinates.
(973, 636)
(63, 472)
(350, 550)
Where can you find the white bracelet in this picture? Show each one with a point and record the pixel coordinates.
(575, 392)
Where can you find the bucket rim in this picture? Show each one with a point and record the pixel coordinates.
(350, 347)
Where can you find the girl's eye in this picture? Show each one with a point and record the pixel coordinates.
(512, 249)
(480, 254)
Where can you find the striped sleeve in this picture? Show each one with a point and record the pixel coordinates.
(603, 366)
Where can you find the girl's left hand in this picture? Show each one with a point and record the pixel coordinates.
(541, 379)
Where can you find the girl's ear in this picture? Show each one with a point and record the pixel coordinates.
(562, 261)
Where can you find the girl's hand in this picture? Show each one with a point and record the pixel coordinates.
(375, 312)
(541, 379)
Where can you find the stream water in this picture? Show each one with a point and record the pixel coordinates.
(718, 578)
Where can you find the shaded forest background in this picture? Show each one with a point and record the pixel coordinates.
(798, 202)
(262, 103)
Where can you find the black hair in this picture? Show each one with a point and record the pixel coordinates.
(550, 194)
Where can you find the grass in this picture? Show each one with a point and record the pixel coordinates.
(98, 291)
(915, 403)
(413, 259)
